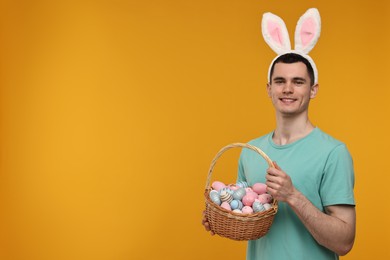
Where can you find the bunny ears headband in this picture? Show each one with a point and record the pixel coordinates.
(307, 33)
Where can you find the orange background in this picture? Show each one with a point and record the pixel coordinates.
(111, 112)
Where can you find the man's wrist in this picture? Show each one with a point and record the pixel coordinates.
(295, 199)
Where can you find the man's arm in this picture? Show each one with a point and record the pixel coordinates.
(334, 229)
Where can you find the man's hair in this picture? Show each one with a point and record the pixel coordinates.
(293, 58)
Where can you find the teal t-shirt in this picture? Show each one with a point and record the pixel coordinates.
(321, 168)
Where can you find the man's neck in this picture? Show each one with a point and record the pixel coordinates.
(289, 130)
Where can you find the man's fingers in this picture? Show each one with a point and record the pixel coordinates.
(207, 226)
(277, 166)
(205, 223)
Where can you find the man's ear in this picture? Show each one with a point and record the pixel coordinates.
(269, 89)
(314, 90)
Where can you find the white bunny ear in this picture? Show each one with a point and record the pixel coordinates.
(275, 33)
(307, 31)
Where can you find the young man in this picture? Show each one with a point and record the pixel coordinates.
(313, 179)
(316, 218)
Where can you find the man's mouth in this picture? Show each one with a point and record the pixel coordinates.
(287, 100)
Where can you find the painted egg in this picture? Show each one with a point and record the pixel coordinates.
(259, 188)
(248, 200)
(237, 211)
(265, 198)
(214, 192)
(227, 189)
(242, 184)
(248, 189)
(217, 185)
(247, 210)
(225, 196)
(267, 206)
(252, 194)
(236, 204)
(233, 187)
(214, 196)
(239, 194)
(258, 207)
(226, 206)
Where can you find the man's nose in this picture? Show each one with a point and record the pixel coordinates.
(288, 87)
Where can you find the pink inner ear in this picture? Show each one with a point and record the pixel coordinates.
(275, 32)
(307, 31)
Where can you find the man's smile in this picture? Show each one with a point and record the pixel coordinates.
(287, 100)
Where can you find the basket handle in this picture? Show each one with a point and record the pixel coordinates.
(244, 145)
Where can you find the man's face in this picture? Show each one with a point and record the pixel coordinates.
(290, 89)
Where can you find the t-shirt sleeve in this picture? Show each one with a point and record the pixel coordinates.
(338, 178)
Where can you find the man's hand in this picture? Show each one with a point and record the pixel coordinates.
(279, 184)
(205, 223)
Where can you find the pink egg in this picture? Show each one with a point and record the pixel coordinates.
(233, 187)
(217, 185)
(259, 188)
(248, 200)
(247, 210)
(226, 206)
(252, 194)
(265, 198)
(248, 189)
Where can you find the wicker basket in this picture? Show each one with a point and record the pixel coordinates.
(233, 225)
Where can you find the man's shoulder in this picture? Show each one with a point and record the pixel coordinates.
(325, 144)
(326, 139)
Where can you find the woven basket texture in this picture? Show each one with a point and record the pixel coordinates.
(237, 226)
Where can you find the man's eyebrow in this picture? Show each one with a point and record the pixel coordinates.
(279, 78)
(295, 79)
(299, 78)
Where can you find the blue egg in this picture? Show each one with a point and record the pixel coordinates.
(217, 201)
(239, 193)
(236, 204)
(227, 189)
(240, 205)
(242, 184)
(214, 191)
(214, 196)
(257, 207)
